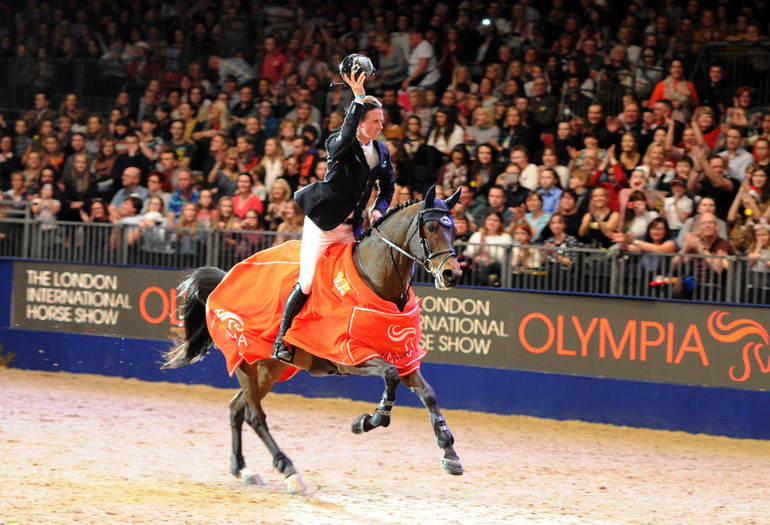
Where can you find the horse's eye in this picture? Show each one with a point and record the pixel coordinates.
(431, 227)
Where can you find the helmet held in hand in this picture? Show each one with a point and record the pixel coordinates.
(355, 63)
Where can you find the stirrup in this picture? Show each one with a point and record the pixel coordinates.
(282, 352)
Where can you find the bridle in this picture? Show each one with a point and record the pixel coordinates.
(443, 217)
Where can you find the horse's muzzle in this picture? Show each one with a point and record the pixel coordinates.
(448, 277)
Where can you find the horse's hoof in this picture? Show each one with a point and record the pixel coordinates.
(251, 478)
(294, 484)
(452, 466)
(360, 424)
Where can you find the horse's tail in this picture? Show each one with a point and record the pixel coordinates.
(197, 341)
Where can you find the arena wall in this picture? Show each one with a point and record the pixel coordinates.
(654, 364)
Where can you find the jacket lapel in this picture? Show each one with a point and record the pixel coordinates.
(360, 153)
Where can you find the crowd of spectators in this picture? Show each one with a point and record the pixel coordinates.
(499, 98)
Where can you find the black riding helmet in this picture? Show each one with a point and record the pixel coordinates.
(355, 63)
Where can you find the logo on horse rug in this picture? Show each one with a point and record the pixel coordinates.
(343, 320)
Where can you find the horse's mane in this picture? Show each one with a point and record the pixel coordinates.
(388, 213)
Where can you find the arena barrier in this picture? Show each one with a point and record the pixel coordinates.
(644, 363)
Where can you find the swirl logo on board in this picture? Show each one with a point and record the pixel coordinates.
(742, 329)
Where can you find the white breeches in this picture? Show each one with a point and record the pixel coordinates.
(314, 244)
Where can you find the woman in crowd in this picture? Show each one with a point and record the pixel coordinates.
(224, 175)
(103, 166)
(630, 157)
(189, 240)
(514, 133)
(97, 214)
(206, 209)
(461, 75)
(216, 120)
(759, 250)
(550, 161)
(287, 130)
(636, 217)
(17, 192)
(447, 133)
(419, 107)
(560, 255)
(637, 181)
(524, 257)
(483, 129)
(414, 140)
(292, 220)
(749, 205)
(533, 215)
(244, 198)
(485, 169)
(280, 194)
(456, 171)
(44, 209)
(94, 134)
(80, 186)
(33, 166)
(678, 90)
(487, 248)
(600, 222)
(706, 129)
(153, 229)
(657, 239)
(248, 242)
(273, 161)
(53, 153)
(658, 174)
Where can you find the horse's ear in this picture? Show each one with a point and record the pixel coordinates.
(451, 201)
(430, 197)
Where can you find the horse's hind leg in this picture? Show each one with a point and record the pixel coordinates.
(239, 410)
(256, 381)
(417, 384)
(389, 373)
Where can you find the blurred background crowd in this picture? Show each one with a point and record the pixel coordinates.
(639, 127)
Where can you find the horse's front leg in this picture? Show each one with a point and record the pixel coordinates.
(389, 374)
(417, 384)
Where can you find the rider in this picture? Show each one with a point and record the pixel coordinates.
(334, 207)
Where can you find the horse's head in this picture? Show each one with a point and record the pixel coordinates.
(436, 229)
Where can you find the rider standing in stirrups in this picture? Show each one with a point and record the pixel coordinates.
(334, 207)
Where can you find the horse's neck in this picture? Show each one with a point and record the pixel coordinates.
(386, 271)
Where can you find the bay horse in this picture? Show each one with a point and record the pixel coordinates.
(384, 257)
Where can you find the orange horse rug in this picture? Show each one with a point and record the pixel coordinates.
(343, 320)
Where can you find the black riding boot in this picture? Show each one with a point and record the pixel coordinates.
(294, 304)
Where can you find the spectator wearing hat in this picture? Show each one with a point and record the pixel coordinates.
(678, 207)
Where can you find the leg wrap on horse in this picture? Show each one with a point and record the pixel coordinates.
(237, 463)
(444, 437)
(294, 304)
(283, 464)
(381, 417)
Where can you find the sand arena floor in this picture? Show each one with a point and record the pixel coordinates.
(101, 450)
